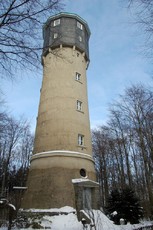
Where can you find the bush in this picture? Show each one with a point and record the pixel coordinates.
(36, 225)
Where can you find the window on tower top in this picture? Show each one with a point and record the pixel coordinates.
(55, 35)
(79, 25)
(56, 22)
(80, 38)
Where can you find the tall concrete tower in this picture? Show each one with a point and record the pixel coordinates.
(62, 148)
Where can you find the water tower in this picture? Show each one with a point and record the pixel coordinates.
(62, 168)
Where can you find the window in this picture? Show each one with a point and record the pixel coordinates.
(79, 25)
(83, 172)
(55, 35)
(79, 105)
(80, 139)
(56, 22)
(77, 76)
(80, 38)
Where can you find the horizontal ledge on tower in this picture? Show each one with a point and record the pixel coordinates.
(53, 47)
(61, 153)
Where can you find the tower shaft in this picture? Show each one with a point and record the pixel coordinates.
(63, 110)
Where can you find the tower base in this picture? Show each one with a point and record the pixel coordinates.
(50, 178)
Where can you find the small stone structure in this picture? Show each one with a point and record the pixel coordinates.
(7, 212)
(86, 195)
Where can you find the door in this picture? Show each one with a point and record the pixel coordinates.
(87, 198)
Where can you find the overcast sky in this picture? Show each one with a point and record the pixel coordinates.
(115, 61)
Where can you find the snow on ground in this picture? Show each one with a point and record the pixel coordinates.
(66, 209)
(70, 222)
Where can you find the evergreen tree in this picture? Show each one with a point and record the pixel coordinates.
(124, 204)
(131, 206)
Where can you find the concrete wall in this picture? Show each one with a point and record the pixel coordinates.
(59, 122)
(50, 181)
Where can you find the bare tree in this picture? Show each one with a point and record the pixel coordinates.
(16, 144)
(125, 150)
(142, 10)
(100, 143)
(20, 25)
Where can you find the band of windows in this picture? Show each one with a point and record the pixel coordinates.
(57, 22)
(77, 77)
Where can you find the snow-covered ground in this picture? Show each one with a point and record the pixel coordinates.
(70, 222)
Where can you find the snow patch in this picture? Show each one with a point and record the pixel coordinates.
(79, 180)
(12, 206)
(66, 209)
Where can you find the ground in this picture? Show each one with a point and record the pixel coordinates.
(68, 221)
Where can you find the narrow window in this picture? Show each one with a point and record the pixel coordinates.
(55, 35)
(79, 105)
(77, 76)
(80, 139)
(56, 22)
(87, 198)
(80, 38)
(79, 25)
